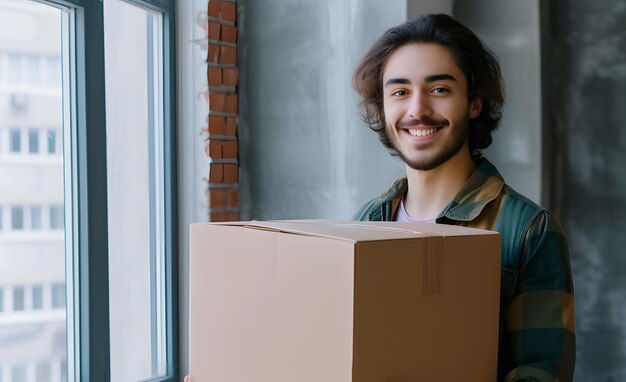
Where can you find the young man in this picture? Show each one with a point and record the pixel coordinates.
(433, 92)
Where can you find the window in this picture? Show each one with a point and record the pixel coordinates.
(33, 141)
(35, 217)
(58, 296)
(56, 217)
(17, 218)
(73, 44)
(53, 74)
(19, 299)
(135, 180)
(15, 74)
(52, 141)
(15, 141)
(43, 372)
(33, 74)
(37, 297)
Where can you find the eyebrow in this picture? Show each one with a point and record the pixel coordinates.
(431, 78)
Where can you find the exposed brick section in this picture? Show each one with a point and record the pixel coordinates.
(223, 99)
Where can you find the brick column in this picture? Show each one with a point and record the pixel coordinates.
(223, 98)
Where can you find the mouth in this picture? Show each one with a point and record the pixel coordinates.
(423, 132)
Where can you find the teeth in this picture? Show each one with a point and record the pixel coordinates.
(421, 133)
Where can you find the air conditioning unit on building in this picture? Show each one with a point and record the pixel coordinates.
(19, 102)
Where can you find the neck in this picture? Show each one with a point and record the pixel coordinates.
(430, 191)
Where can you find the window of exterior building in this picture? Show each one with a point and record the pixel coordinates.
(58, 296)
(52, 141)
(19, 298)
(15, 140)
(17, 218)
(35, 217)
(1, 299)
(37, 297)
(43, 372)
(33, 141)
(56, 217)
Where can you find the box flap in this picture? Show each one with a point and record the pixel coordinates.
(358, 231)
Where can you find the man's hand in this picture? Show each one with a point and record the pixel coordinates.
(187, 379)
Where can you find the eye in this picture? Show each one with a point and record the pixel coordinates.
(440, 90)
(399, 93)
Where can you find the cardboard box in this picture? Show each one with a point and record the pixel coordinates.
(325, 301)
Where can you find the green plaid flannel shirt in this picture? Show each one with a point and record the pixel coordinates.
(537, 340)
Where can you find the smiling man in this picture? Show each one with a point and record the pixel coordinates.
(433, 92)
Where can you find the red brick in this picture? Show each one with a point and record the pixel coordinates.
(217, 101)
(229, 33)
(214, 54)
(228, 11)
(230, 173)
(218, 199)
(230, 76)
(214, 8)
(232, 216)
(214, 31)
(214, 148)
(232, 198)
(231, 103)
(229, 149)
(216, 173)
(217, 125)
(215, 76)
(231, 126)
(217, 217)
(228, 55)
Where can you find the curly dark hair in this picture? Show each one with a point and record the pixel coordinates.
(475, 59)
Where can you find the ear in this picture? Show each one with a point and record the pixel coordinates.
(475, 107)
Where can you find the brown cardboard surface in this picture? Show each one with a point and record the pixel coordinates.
(342, 301)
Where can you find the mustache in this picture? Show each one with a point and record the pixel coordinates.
(427, 121)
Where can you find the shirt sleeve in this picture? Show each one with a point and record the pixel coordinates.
(540, 321)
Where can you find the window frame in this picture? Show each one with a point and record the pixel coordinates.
(87, 275)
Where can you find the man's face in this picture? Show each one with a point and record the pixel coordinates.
(426, 106)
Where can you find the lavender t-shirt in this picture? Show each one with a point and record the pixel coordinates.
(402, 216)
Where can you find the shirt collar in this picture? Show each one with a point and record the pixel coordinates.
(480, 189)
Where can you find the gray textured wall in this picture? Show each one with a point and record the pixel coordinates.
(304, 151)
(511, 29)
(588, 82)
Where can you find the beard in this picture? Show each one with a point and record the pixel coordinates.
(459, 137)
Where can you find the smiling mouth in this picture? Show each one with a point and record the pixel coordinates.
(423, 132)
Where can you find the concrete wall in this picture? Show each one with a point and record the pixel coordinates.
(304, 151)
(511, 29)
(588, 81)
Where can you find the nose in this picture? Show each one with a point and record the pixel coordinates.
(419, 106)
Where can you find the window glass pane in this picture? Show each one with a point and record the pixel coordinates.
(134, 96)
(17, 218)
(56, 217)
(33, 74)
(43, 373)
(52, 141)
(30, 264)
(19, 298)
(37, 297)
(35, 217)
(33, 141)
(58, 296)
(15, 141)
(14, 68)
(53, 73)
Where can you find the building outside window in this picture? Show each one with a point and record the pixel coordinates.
(17, 218)
(33, 141)
(15, 141)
